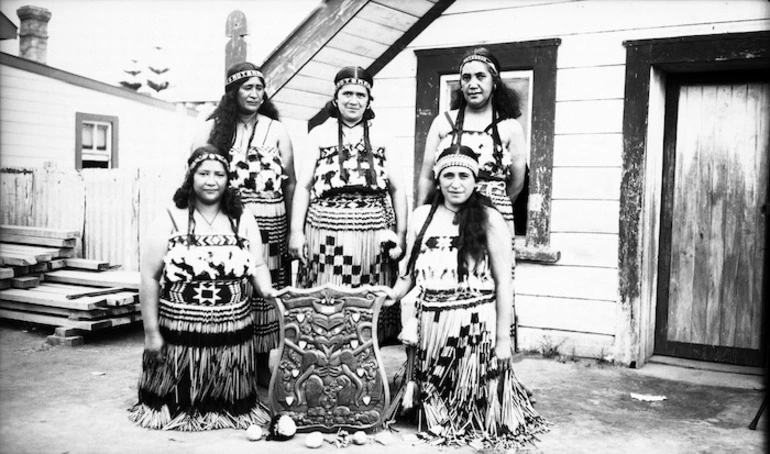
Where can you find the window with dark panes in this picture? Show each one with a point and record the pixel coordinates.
(96, 141)
(530, 69)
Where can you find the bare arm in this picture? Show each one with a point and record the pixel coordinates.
(149, 289)
(439, 128)
(260, 280)
(517, 148)
(500, 263)
(406, 282)
(287, 156)
(398, 197)
(301, 201)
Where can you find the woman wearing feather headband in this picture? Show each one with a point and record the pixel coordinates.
(349, 220)
(459, 333)
(199, 368)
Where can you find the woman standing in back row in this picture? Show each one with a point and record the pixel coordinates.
(349, 221)
(245, 126)
(483, 118)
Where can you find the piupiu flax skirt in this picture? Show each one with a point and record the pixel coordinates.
(462, 387)
(208, 378)
(270, 214)
(344, 234)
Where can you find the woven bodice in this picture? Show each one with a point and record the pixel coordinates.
(494, 159)
(436, 267)
(327, 178)
(258, 170)
(209, 257)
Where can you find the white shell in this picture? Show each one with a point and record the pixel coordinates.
(254, 433)
(314, 440)
(360, 437)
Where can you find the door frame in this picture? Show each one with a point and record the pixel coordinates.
(663, 346)
(648, 62)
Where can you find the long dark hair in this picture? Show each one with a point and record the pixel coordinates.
(505, 101)
(184, 196)
(471, 219)
(226, 114)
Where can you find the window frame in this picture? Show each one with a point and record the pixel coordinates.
(80, 119)
(539, 57)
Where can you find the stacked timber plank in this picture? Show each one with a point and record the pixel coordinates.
(27, 252)
(76, 296)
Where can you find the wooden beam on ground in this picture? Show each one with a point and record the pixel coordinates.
(72, 314)
(38, 251)
(56, 264)
(100, 292)
(25, 282)
(16, 260)
(87, 264)
(6, 273)
(121, 299)
(127, 279)
(21, 270)
(37, 240)
(101, 314)
(112, 297)
(40, 267)
(34, 296)
(52, 320)
(38, 231)
(23, 251)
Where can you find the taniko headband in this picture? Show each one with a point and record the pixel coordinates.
(456, 159)
(209, 157)
(353, 80)
(244, 75)
(481, 58)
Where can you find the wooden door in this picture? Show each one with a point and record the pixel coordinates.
(713, 223)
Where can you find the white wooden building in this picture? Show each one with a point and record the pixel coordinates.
(56, 118)
(79, 154)
(642, 115)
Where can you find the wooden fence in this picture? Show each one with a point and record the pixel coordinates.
(110, 207)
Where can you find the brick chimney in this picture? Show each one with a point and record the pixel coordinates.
(33, 32)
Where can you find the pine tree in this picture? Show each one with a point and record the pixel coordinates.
(132, 83)
(157, 79)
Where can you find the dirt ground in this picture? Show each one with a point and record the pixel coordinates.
(75, 400)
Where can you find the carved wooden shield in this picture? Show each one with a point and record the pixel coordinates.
(330, 375)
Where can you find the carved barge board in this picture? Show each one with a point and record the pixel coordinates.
(330, 374)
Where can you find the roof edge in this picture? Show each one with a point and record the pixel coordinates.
(84, 82)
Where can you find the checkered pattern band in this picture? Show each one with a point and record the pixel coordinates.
(244, 75)
(456, 160)
(353, 80)
(209, 156)
(481, 58)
